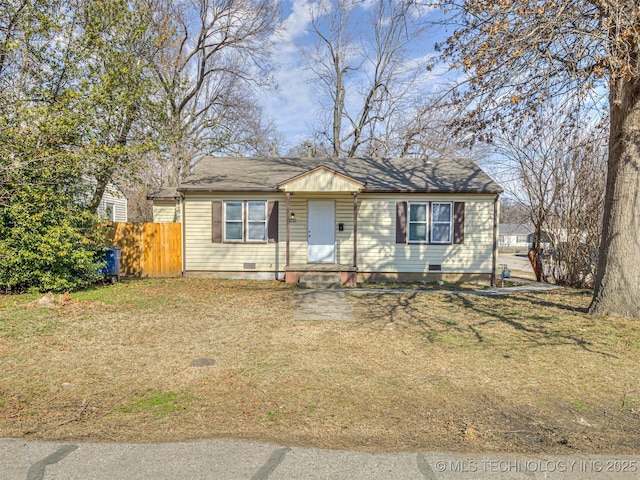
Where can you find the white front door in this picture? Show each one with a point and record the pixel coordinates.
(321, 231)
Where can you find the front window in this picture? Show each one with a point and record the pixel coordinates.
(245, 221)
(417, 222)
(257, 221)
(441, 222)
(233, 222)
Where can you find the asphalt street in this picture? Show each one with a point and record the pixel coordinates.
(232, 459)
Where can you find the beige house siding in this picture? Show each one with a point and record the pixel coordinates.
(112, 196)
(377, 250)
(166, 211)
(344, 239)
(202, 255)
(321, 180)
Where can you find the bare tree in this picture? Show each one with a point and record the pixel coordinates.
(518, 56)
(512, 210)
(553, 165)
(367, 79)
(218, 54)
(575, 218)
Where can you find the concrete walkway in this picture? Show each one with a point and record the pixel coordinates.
(327, 304)
(231, 460)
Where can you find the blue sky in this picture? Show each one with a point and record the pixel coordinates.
(295, 107)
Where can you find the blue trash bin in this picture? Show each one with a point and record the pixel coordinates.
(112, 269)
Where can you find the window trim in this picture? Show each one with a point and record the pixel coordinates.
(245, 221)
(264, 222)
(426, 222)
(225, 221)
(449, 241)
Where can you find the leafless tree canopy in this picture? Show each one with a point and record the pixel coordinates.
(217, 56)
(519, 55)
(371, 81)
(554, 164)
(522, 54)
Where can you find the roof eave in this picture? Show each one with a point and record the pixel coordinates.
(365, 190)
(433, 191)
(210, 189)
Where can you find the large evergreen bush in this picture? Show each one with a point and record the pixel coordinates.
(47, 243)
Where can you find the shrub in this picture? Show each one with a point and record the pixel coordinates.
(48, 243)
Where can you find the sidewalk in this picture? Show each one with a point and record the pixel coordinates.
(231, 460)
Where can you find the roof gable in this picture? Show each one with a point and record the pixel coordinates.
(321, 179)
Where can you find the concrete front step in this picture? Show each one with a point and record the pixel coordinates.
(320, 280)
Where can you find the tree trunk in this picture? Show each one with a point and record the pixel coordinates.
(536, 264)
(617, 287)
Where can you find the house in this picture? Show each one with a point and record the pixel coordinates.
(364, 219)
(519, 236)
(515, 235)
(113, 204)
(166, 204)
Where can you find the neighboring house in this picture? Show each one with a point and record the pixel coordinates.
(113, 205)
(166, 205)
(515, 235)
(520, 236)
(367, 219)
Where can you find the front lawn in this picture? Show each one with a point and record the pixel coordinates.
(165, 360)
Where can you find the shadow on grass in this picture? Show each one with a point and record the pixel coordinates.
(537, 319)
(543, 300)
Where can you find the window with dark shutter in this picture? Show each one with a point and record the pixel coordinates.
(418, 221)
(441, 217)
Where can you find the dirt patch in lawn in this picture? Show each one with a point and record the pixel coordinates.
(171, 360)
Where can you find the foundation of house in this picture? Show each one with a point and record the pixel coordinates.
(322, 275)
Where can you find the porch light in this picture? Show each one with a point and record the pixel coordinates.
(292, 218)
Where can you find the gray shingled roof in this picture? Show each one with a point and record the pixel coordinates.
(224, 174)
(163, 193)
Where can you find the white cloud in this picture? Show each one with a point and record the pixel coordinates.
(294, 106)
(296, 23)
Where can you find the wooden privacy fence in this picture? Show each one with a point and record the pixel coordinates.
(148, 249)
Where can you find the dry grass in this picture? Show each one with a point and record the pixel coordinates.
(416, 371)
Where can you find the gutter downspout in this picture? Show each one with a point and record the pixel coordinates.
(494, 265)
